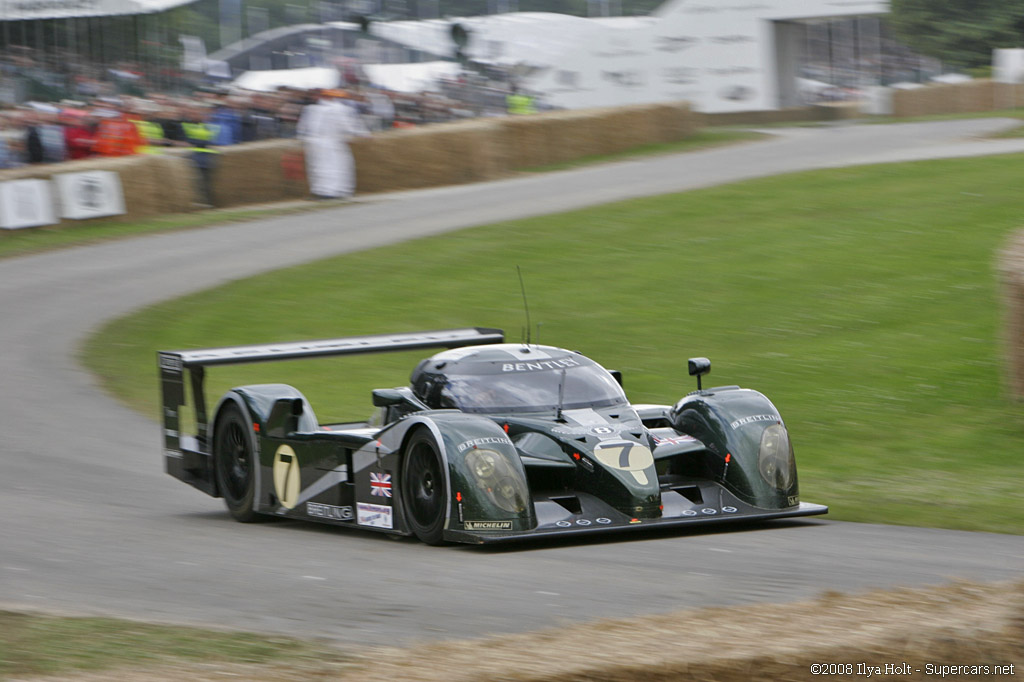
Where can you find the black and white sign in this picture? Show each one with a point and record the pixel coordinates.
(26, 203)
(90, 194)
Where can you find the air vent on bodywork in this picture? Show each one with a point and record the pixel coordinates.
(571, 503)
(690, 492)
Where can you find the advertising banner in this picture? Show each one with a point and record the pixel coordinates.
(90, 194)
(26, 203)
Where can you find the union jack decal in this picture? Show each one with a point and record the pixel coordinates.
(380, 484)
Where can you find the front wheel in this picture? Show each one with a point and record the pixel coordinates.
(234, 463)
(425, 488)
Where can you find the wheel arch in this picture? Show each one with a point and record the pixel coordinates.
(236, 399)
(424, 423)
(457, 434)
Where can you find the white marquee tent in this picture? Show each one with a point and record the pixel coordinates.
(21, 10)
(721, 55)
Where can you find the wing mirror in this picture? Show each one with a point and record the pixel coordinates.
(698, 367)
(386, 397)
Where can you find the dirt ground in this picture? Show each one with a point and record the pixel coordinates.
(963, 631)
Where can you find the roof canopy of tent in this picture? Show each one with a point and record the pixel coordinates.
(19, 10)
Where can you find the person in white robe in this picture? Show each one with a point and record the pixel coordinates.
(325, 128)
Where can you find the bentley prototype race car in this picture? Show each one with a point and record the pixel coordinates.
(491, 442)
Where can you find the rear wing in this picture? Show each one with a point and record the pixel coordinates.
(187, 458)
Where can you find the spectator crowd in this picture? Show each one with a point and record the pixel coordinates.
(121, 126)
(124, 109)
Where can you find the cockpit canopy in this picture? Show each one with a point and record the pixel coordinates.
(513, 378)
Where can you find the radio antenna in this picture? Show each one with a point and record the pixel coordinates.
(526, 305)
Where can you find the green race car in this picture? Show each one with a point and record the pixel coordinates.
(490, 442)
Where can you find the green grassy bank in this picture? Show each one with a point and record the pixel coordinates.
(862, 301)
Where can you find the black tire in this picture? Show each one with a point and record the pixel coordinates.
(424, 488)
(235, 464)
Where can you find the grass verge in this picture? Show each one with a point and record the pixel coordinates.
(36, 645)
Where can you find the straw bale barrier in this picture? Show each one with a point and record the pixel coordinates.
(454, 153)
(1011, 275)
(429, 156)
(259, 172)
(957, 98)
(557, 137)
(152, 184)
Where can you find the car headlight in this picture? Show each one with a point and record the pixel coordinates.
(483, 464)
(497, 479)
(775, 458)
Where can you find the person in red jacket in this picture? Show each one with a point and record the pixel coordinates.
(79, 133)
(117, 136)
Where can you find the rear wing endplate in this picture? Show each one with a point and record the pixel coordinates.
(188, 458)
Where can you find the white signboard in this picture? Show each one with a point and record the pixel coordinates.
(90, 194)
(26, 203)
(1008, 65)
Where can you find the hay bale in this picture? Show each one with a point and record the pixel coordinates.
(412, 158)
(673, 121)
(566, 135)
(1011, 276)
(976, 96)
(956, 98)
(255, 173)
(524, 140)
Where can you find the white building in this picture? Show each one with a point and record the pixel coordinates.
(721, 55)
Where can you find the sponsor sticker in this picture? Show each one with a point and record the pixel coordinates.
(754, 419)
(729, 510)
(374, 515)
(488, 525)
(563, 524)
(541, 366)
(477, 442)
(329, 511)
(689, 512)
(709, 511)
(793, 500)
(172, 363)
(574, 430)
(603, 521)
(582, 522)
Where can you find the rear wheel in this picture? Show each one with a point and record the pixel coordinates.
(424, 488)
(234, 463)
